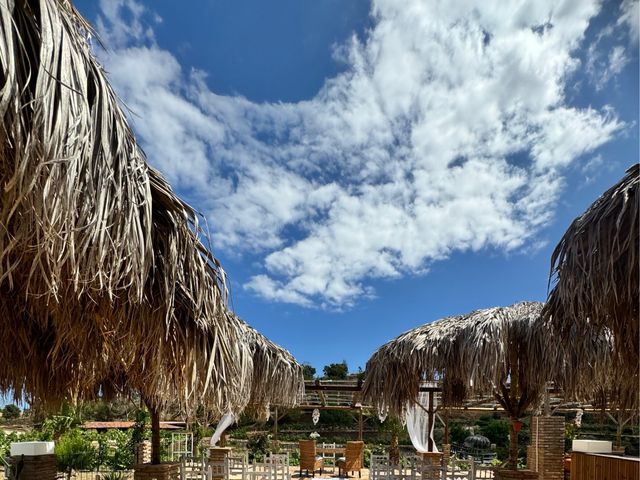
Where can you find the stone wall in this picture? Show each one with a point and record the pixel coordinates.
(40, 467)
(143, 452)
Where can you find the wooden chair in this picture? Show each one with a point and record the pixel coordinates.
(309, 460)
(352, 459)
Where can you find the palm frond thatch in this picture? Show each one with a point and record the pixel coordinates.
(596, 264)
(98, 257)
(481, 352)
(277, 377)
(508, 352)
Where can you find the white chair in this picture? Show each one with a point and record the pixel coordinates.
(217, 470)
(416, 465)
(329, 457)
(259, 471)
(192, 469)
(424, 469)
(279, 466)
(380, 467)
(237, 465)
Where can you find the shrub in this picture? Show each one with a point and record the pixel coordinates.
(75, 452)
(113, 476)
(496, 430)
(11, 412)
(258, 444)
(115, 450)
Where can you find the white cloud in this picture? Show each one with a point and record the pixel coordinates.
(604, 68)
(448, 132)
(605, 61)
(115, 31)
(630, 16)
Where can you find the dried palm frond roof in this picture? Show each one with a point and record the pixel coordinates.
(103, 259)
(596, 264)
(475, 353)
(508, 352)
(277, 377)
(589, 370)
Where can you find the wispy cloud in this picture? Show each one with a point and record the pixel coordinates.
(605, 61)
(448, 132)
(630, 16)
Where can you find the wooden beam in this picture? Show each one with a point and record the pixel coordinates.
(330, 407)
(316, 386)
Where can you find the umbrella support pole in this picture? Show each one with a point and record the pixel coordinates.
(155, 436)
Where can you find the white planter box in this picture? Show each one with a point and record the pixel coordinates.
(591, 446)
(32, 448)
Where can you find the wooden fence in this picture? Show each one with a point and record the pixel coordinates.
(586, 466)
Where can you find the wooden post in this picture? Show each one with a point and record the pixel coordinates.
(513, 397)
(513, 443)
(275, 444)
(446, 426)
(360, 426)
(155, 436)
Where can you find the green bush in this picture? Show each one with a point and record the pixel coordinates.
(113, 476)
(116, 451)
(11, 412)
(258, 445)
(75, 452)
(372, 450)
(457, 432)
(495, 429)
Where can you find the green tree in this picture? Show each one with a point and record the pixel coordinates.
(336, 371)
(496, 429)
(308, 371)
(457, 432)
(55, 426)
(11, 412)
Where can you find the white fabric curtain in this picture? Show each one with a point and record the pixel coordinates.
(224, 423)
(418, 423)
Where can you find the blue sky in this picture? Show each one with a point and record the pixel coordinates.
(367, 167)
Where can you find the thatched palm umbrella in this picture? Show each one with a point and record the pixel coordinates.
(503, 351)
(102, 272)
(597, 264)
(278, 378)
